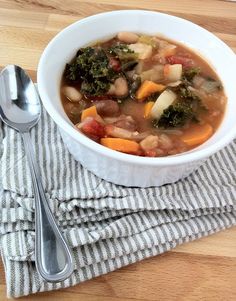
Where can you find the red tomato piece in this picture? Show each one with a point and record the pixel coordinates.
(93, 129)
(176, 59)
(114, 64)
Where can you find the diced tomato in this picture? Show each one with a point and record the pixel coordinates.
(176, 59)
(93, 129)
(114, 64)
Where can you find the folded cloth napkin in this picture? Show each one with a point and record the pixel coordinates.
(107, 226)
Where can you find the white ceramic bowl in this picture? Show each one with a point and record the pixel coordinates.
(114, 166)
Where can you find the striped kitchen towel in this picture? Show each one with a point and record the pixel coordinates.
(106, 225)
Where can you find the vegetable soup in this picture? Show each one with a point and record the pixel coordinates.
(142, 95)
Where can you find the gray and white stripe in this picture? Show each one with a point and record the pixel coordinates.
(107, 226)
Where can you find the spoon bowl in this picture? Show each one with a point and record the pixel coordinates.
(20, 105)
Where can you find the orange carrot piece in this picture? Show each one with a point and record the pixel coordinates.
(147, 109)
(122, 145)
(197, 135)
(147, 88)
(89, 112)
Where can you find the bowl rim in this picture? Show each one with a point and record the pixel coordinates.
(92, 145)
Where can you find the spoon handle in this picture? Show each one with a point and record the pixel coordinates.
(52, 256)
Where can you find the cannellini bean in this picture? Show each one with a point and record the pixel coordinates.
(72, 94)
(119, 88)
(127, 37)
(165, 142)
(149, 143)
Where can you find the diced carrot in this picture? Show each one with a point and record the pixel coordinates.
(197, 134)
(89, 112)
(147, 88)
(147, 109)
(122, 145)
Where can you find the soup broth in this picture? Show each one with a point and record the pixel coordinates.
(143, 95)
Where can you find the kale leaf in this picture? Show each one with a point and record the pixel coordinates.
(186, 109)
(123, 52)
(175, 116)
(189, 73)
(91, 68)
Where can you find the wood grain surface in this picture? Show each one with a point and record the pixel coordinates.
(201, 270)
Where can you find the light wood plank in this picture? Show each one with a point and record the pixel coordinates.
(57, 22)
(201, 7)
(171, 276)
(220, 244)
(201, 270)
(19, 18)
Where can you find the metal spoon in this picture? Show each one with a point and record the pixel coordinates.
(20, 109)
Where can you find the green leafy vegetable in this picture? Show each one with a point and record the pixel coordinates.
(91, 67)
(186, 109)
(123, 52)
(184, 92)
(71, 72)
(189, 73)
(175, 116)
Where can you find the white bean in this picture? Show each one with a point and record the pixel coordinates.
(72, 94)
(127, 37)
(119, 88)
(149, 143)
(165, 142)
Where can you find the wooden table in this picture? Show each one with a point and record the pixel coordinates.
(201, 270)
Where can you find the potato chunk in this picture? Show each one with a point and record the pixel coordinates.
(144, 51)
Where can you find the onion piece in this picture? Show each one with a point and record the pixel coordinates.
(163, 102)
